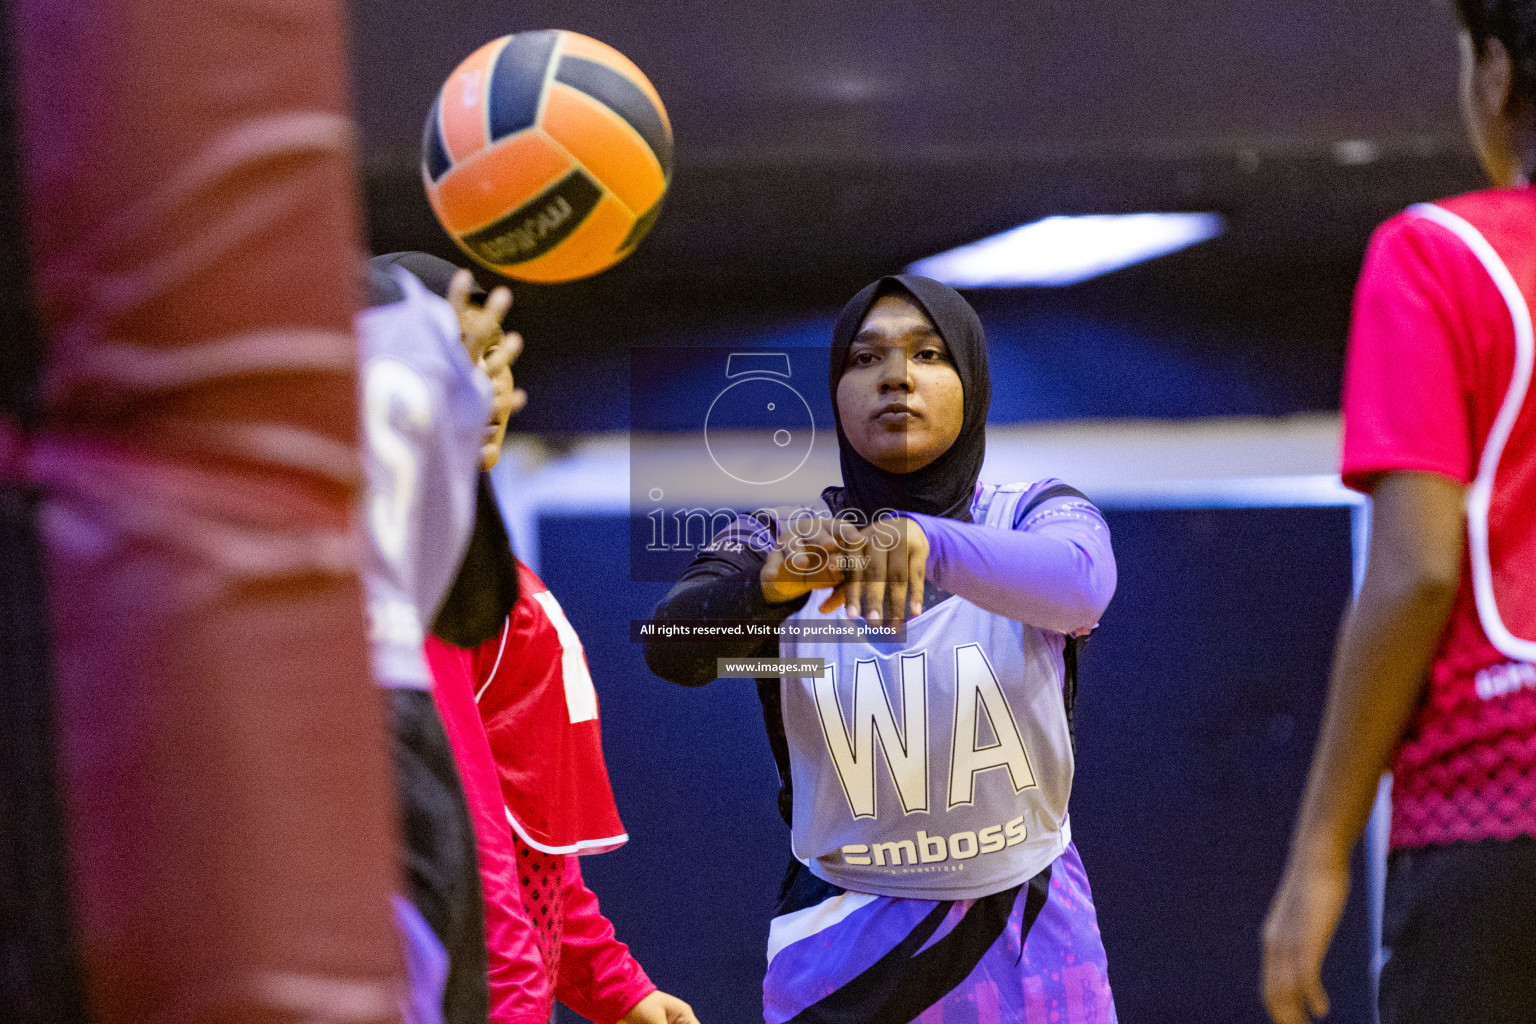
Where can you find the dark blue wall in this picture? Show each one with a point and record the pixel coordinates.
(1050, 360)
(1198, 710)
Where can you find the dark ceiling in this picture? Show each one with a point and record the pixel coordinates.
(796, 82)
(820, 144)
(821, 135)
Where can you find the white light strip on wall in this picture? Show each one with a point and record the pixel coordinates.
(1254, 462)
(1058, 251)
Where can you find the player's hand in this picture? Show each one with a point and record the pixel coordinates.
(479, 323)
(887, 570)
(507, 399)
(660, 1008)
(1301, 922)
(806, 558)
(493, 351)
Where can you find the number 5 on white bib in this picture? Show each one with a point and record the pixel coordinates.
(580, 696)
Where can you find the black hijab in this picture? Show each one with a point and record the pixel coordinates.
(946, 486)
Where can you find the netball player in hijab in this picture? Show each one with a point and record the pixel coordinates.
(925, 782)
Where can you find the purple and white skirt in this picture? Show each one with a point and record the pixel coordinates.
(1028, 955)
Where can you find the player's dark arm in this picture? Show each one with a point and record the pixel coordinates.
(1418, 533)
(719, 586)
(1380, 670)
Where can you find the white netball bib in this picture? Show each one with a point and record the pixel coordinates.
(425, 408)
(938, 768)
(1500, 538)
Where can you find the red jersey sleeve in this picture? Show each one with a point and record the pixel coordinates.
(1406, 396)
(598, 978)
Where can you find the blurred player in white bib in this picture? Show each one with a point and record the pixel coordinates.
(425, 408)
(504, 664)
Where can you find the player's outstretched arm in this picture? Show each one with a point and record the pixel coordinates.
(598, 977)
(493, 350)
(723, 583)
(1380, 667)
(660, 1008)
(1055, 570)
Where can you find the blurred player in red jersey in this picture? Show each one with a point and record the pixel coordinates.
(425, 412)
(1435, 674)
(540, 727)
(546, 938)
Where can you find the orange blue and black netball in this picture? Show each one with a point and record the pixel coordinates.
(546, 156)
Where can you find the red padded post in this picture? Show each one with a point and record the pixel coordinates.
(191, 196)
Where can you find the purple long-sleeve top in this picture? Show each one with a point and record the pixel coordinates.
(1055, 569)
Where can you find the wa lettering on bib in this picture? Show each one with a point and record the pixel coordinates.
(938, 768)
